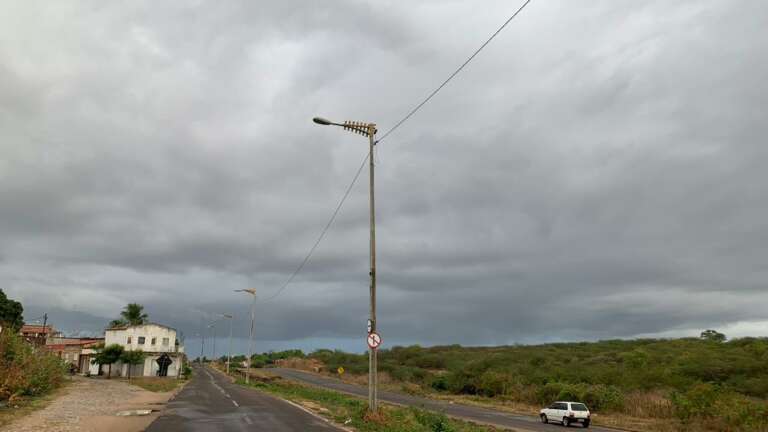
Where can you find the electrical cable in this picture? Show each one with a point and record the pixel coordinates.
(456, 72)
(385, 135)
(322, 233)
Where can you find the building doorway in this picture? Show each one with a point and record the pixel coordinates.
(163, 362)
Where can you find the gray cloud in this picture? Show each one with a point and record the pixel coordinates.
(597, 172)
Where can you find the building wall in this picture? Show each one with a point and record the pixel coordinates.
(164, 338)
(165, 342)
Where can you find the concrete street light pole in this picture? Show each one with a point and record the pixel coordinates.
(229, 354)
(251, 291)
(213, 326)
(369, 130)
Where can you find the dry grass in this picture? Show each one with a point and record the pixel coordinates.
(311, 365)
(156, 384)
(648, 405)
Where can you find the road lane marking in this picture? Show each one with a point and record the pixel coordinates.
(247, 420)
(235, 403)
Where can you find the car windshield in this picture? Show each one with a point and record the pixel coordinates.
(578, 407)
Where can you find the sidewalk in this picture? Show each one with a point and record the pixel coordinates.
(90, 405)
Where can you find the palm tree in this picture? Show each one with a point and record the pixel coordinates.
(134, 314)
(117, 323)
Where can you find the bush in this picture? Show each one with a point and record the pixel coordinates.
(602, 398)
(698, 402)
(439, 382)
(25, 371)
(434, 421)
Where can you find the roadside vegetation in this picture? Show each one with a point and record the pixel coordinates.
(26, 372)
(156, 384)
(704, 383)
(352, 412)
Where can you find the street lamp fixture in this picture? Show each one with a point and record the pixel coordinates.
(368, 130)
(251, 291)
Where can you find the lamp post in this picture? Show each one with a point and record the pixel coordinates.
(213, 326)
(229, 354)
(202, 346)
(368, 130)
(251, 291)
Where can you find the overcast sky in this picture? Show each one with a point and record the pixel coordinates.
(598, 171)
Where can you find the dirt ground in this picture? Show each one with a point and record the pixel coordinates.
(91, 405)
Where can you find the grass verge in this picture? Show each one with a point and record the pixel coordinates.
(157, 385)
(352, 412)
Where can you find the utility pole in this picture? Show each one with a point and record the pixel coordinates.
(213, 326)
(202, 346)
(45, 332)
(369, 130)
(251, 291)
(229, 356)
(373, 400)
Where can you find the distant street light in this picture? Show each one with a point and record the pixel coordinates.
(251, 291)
(369, 130)
(213, 326)
(229, 355)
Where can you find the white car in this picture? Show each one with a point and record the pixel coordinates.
(566, 413)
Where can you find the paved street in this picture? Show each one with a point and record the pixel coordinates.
(213, 404)
(472, 413)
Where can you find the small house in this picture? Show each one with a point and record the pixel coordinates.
(164, 354)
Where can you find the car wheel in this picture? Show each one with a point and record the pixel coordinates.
(586, 424)
(544, 418)
(566, 422)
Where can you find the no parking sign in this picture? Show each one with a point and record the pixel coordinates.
(374, 340)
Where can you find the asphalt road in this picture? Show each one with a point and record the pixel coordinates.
(211, 403)
(472, 413)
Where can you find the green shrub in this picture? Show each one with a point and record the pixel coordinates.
(697, 402)
(439, 382)
(25, 371)
(434, 421)
(548, 393)
(602, 398)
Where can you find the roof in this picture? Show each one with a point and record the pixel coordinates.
(32, 328)
(140, 325)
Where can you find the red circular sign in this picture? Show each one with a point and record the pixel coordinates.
(374, 340)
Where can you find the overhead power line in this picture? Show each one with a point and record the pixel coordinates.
(322, 233)
(385, 135)
(450, 77)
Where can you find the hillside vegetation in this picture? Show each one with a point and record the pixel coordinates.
(708, 380)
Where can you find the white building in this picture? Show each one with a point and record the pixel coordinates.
(164, 354)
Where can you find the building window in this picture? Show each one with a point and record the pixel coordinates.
(166, 341)
(142, 339)
(154, 341)
(129, 340)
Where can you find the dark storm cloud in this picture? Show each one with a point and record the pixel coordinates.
(596, 172)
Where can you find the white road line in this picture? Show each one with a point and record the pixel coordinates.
(247, 420)
(234, 402)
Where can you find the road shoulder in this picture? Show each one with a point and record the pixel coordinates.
(91, 405)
